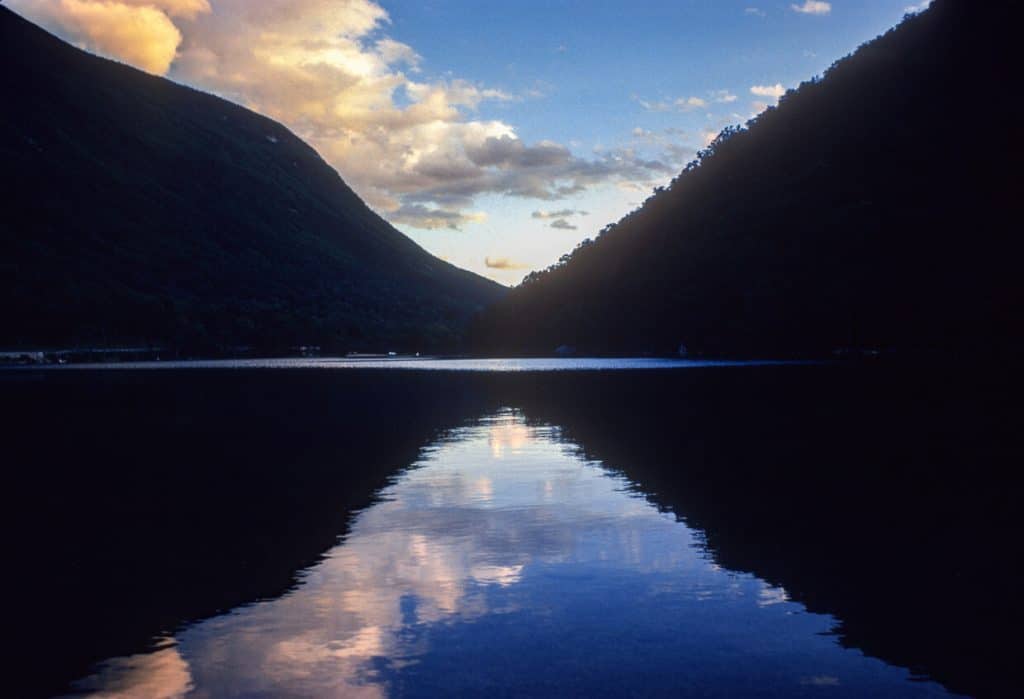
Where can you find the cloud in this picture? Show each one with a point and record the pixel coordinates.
(655, 106)
(682, 104)
(395, 52)
(685, 104)
(502, 263)
(919, 7)
(412, 147)
(186, 9)
(421, 216)
(708, 136)
(773, 91)
(675, 149)
(507, 166)
(756, 11)
(562, 224)
(813, 7)
(139, 32)
(561, 213)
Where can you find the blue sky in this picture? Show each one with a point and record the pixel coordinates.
(484, 130)
(595, 65)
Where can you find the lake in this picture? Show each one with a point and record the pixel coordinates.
(614, 528)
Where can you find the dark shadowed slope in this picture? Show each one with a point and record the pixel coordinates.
(139, 210)
(874, 207)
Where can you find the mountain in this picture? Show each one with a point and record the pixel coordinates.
(136, 210)
(875, 207)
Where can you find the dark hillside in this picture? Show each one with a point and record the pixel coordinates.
(137, 210)
(875, 207)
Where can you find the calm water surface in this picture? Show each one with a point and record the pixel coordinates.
(433, 364)
(504, 562)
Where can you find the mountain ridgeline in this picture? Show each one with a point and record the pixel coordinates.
(137, 210)
(874, 207)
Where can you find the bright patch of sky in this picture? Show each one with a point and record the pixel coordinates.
(498, 135)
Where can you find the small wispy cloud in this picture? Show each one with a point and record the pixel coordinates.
(686, 104)
(649, 106)
(502, 263)
(755, 11)
(561, 213)
(562, 224)
(813, 7)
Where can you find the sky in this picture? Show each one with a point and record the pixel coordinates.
(498, 135)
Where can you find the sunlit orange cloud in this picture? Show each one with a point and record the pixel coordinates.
(138, 32)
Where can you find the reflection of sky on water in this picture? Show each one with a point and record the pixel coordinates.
(504, 562)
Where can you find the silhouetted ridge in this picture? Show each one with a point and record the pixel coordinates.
(139, 210)
(874, 207)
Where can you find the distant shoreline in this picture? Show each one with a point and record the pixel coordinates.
(310, 355)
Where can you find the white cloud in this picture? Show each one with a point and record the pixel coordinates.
(395, 52)
(756, 11)
(813, 7)
(774, 91)
(687, 103)
(919, 7)
(682, 104)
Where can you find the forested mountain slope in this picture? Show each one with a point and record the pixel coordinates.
(875, 207)
(136, 210)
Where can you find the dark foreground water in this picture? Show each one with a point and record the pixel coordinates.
(694, 530)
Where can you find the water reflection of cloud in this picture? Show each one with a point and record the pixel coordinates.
(497, 575)
(505, 437)
(163, 674)
(771, 595)
(820, 681)
(450, 541)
